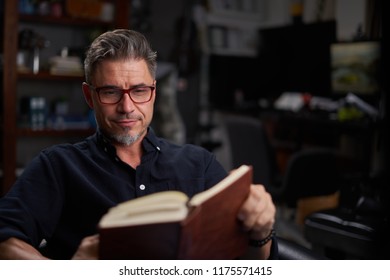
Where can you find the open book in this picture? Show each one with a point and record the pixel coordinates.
(169, 225)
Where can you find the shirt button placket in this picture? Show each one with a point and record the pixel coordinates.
(142, 181)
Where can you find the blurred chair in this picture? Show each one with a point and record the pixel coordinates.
(290, 250)
(249, 144)
(311, 182)
(313, 179)
(356, 226)
(357, 231)
(312, 172)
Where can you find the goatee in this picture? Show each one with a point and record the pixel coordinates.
(126, 140)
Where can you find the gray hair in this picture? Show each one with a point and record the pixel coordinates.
(119, 44)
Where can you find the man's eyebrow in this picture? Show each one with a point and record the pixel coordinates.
(136, 85)
(140, 85)
(108, 86)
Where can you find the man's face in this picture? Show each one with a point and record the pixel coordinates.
(124, 120)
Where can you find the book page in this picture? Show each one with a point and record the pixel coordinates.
(159, 207)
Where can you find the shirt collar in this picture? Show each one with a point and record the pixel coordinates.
(149, 143)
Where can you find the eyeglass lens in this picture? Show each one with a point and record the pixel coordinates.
(112, 95)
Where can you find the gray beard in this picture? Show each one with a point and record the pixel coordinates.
(126, 140)
(123, 139)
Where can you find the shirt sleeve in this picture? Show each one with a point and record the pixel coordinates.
(214, 172)
(29, 210)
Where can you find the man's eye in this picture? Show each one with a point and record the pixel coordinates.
(140, 90)
(110, 92)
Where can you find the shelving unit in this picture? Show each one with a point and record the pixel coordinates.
(232, 26)
(228, 29)
(48, 77)
(11, 132)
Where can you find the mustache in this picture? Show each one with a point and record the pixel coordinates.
(129, 117)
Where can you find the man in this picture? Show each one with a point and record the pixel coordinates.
(66, 189)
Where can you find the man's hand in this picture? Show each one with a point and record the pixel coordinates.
(88, 249)
(258, 217)
(16, 249)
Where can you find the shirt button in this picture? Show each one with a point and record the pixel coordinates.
(142, 187)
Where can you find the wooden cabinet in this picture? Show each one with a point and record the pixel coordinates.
(14, 82)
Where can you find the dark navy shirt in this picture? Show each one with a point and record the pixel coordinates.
(65, 190)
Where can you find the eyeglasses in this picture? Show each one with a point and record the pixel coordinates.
(113, 95)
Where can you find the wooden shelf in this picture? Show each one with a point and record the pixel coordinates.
(28, 132)
(63, 21)
(49, 77)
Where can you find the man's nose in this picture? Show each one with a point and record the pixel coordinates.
(126, 104)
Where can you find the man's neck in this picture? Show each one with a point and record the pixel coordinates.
(131, 154)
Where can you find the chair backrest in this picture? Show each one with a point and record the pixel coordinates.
(249, 144)
(312, 172)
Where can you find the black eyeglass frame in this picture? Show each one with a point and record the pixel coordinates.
(124, 91)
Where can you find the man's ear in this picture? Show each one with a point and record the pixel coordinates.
(87, 94)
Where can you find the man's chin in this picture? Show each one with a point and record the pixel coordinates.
(125, 139)
(124, 136)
